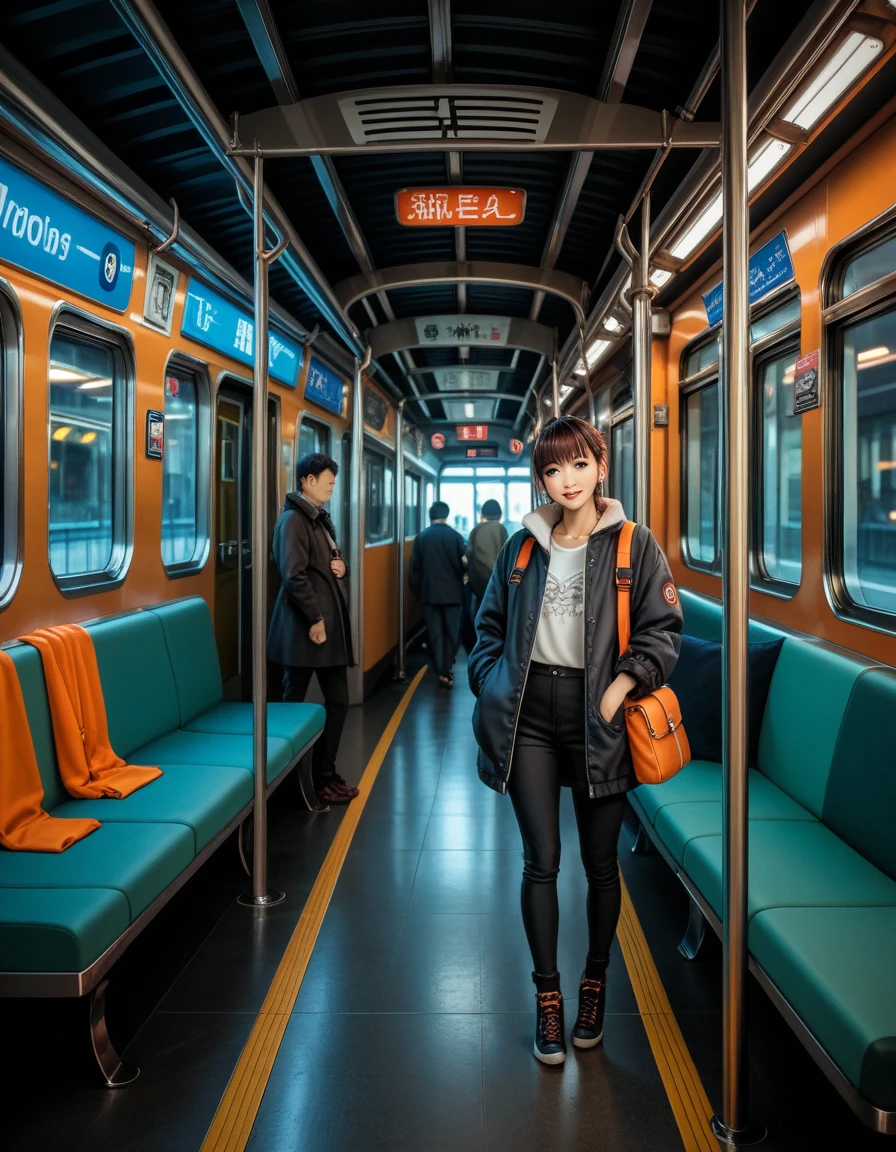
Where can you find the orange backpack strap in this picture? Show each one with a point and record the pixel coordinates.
(624, 584)
(522, 560)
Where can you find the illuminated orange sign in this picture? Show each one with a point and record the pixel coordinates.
(472, 432)
(460, 207)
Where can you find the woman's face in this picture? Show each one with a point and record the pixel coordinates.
(573, 483)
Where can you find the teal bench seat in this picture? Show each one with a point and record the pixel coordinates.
(65, 917)
(821, 891)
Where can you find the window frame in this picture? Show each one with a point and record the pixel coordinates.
(305, 418)
(181, 361)
(12, 488)
(705, 378)
(775, 346)
(414, 477)
(84, 326)
(838, 313)
(388, 459)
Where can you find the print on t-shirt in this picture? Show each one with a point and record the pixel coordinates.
(564, 598)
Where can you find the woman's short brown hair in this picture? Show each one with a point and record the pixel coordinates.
(565, 439)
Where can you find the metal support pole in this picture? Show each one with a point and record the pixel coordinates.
(555, 390)
(356, 497)
(733, 1126)
(399, 505)
(642, 294)
(261, 896)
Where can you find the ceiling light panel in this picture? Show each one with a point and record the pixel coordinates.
(854, 56)
(705, 223)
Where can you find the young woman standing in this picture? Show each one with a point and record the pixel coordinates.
(551, 684)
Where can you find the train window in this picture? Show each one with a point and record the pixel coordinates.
(430, 500)
(701, 477)
(869, 267)
(185, 539)
(621, 481)
(702, 357)
(412, 518)
(89, 428)
(378, 527)
(313, 437)
(773, 321)
(780, 445)
(10, 444)
(869, 462)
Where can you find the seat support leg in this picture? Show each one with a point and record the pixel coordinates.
(306, 786)
(116, 1072)
(695, 932)
(642, 845)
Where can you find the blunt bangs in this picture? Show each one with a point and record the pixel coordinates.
(567, 439)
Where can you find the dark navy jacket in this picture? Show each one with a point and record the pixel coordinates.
(506, 624)
(437, 566)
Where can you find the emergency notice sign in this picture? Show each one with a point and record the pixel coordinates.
(460, 207)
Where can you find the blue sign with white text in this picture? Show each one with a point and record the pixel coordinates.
(48, 235)
(769, 267)
(323, 387)
(212, 320)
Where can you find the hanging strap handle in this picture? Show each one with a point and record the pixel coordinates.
(624, 584)
(522, 560)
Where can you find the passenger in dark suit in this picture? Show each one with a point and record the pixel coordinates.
(310, 629)
(437, 580)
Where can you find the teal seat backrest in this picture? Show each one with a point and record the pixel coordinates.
(702, 617)
(860, 801)
(31, 678)
(138, 684)
(806, 701)
(190, 636)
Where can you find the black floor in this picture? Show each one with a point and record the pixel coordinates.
(412, 1029)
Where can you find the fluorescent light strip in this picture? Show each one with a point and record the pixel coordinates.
(851, 59)
(659, 277)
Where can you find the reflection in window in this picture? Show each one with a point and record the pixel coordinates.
(701, 478)
(378, 507)
(83, 384)
(180, 470)
(622, 464)
(702, 357)
(313, 437)
(869, 267)
(781, 447)
(412, 518)
(869, 461)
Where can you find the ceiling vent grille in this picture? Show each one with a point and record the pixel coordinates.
(467, 114)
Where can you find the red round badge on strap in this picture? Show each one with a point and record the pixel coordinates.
(669, 594)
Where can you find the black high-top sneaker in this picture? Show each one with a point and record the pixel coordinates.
(550, 1044)
(589, 1026)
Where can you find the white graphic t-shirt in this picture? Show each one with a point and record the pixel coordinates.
(560, 637)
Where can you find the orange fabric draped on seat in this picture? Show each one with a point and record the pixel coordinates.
(87, 764)
(24, 825)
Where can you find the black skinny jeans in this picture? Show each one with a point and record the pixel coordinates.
(550, 752)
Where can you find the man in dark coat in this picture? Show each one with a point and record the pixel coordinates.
(310, 629)
(437, 580)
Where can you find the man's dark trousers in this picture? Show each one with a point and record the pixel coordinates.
(334, 685)
(441, 627)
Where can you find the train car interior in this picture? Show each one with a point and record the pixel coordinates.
(293, 295)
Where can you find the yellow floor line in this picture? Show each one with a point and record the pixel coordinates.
(232, 1125)
(687, 1096)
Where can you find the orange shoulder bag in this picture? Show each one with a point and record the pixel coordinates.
(656, 734)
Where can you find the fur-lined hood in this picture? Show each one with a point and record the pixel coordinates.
(543, 520)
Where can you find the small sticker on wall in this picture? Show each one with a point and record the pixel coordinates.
(669, 594)
(155, 434)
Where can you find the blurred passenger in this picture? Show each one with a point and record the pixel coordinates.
(437, 580)
(310, 630)
(483, 548)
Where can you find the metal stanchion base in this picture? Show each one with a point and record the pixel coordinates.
(754, 1133)
(271, 897)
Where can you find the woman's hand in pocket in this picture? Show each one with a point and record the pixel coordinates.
(615, 695)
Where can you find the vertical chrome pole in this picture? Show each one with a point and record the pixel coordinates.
(356, 572)
(641, 354)
(733, 1125)
(555, 390)
(260, 896)
(399, 505)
